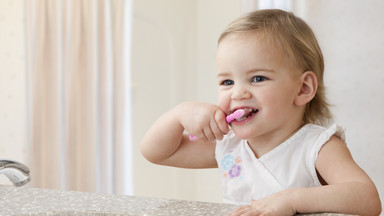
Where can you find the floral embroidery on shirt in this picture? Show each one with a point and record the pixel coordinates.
(227, 162)
(231, 166)
(235, 171)
(238, 160)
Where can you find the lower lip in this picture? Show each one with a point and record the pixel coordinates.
(245, 121)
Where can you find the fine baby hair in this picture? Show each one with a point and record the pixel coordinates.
(284, 29)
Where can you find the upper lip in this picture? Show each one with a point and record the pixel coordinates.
(242, 107)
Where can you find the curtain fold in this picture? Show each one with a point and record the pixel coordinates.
(76, 72)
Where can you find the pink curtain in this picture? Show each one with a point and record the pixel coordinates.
(78, 103)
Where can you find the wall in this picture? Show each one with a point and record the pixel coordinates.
(174, 45)
(159, 56)
(351, 34)
(12, 83)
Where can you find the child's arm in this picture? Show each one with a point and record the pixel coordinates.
(349, 190)
(165, 142)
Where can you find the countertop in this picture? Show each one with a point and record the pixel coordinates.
(36, 201)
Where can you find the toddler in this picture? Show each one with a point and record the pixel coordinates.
(280, 157)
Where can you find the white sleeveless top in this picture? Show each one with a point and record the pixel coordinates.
(289, 165)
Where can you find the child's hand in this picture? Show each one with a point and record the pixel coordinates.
(203, 120)
(275, 204)
(165, 142)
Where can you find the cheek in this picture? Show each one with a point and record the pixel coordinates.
(279, 97)
(224, 101)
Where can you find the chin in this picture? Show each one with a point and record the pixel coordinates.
(243, 134)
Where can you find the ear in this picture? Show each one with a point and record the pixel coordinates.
(308, 87)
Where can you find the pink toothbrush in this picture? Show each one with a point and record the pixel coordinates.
(235, 115)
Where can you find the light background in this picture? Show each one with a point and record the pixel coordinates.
(173, 60)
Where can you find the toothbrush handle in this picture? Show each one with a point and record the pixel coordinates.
(229, 118)
(193, 137)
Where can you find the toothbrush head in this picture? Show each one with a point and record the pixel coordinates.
(235, 115)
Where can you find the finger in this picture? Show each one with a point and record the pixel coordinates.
(216, 130)
(251, 213)
(220, 119)
(239, 211)
(208, 134)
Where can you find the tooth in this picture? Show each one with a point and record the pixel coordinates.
(241, 119)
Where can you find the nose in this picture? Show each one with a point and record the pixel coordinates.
(240, 92)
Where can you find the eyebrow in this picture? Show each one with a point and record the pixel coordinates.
(224, 74)
(260, 69)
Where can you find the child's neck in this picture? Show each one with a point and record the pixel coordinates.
(264, 144)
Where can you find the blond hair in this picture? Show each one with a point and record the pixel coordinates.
(299, 42)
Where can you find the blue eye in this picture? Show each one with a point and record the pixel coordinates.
(227, 82)
(258, 78)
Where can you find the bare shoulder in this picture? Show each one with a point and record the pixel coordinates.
(335, 163)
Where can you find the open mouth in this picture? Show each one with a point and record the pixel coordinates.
(248, 113)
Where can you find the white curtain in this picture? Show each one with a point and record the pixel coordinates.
(79, 97)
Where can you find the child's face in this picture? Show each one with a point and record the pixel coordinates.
(254, 75)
